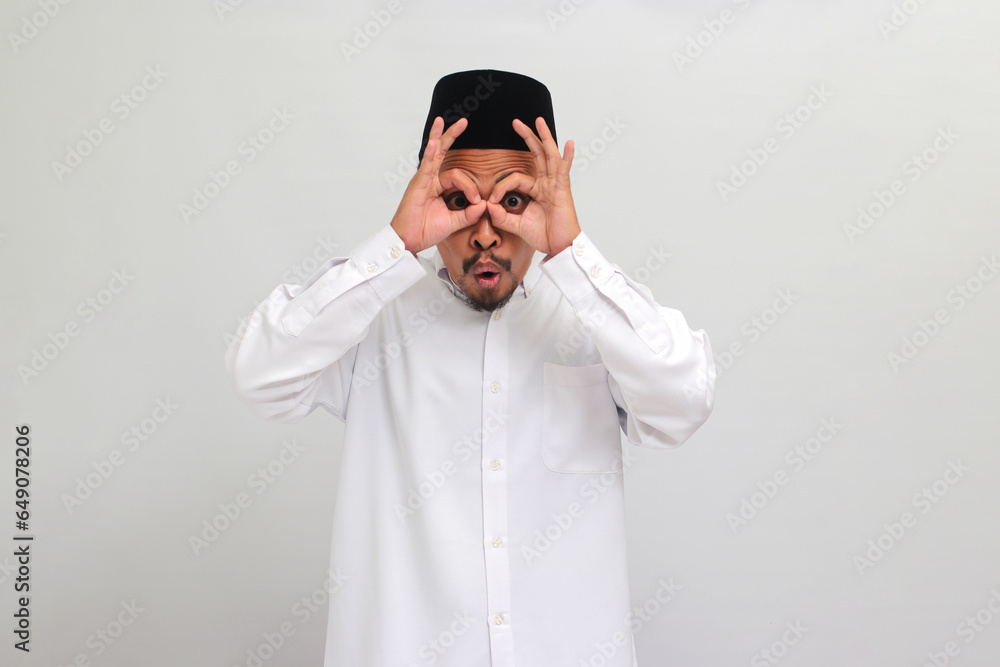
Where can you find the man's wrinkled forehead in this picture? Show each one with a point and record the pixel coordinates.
(489, 161)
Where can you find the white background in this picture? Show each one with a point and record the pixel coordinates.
(651, 185)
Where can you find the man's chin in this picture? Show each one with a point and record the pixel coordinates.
(488, 299)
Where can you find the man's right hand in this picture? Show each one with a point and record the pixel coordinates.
(423, 218)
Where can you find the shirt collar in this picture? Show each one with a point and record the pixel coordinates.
(523, 290)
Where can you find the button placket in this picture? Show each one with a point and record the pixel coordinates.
(495, 484)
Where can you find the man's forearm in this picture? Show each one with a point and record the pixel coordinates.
(663, 370)
(299, 332)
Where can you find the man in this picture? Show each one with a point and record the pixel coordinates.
(480, 512)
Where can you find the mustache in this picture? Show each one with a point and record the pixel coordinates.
(472, 261)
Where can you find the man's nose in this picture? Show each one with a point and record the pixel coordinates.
(484, 235)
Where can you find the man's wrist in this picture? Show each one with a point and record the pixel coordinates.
(569, 244)
(410, 247)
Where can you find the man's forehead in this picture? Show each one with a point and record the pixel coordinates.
(488, 161)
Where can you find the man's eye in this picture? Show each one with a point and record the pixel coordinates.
(515, 202)
(456, 201)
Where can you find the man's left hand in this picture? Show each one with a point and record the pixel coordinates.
(549, 223)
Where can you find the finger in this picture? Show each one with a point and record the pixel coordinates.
(567, 161)
(515, 181)
(500, 219)
(535, 146)
(473, 213)
(442, 141)
(549, 145)
(442, 144)
(456, 129)
(458, 179)
(431, 150)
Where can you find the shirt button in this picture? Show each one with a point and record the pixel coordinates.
(497, 542)
(372, 268)
(394, 253)
(495, 387)
(579, 252)
(498, 619)
(595, 272)
(494, 465)
(496, 314)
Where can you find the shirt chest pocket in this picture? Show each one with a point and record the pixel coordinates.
(580, 429)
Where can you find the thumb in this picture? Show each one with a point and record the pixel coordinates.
(499, 217)
(474, 212)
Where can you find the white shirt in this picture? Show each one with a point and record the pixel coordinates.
(479, 518)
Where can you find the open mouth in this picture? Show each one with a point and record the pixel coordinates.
(487, 275)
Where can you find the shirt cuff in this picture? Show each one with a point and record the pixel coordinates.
(379, 255)
(578, 270)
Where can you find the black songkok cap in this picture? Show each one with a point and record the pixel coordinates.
(491, 100)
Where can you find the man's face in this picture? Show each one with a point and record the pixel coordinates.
(485, 262)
